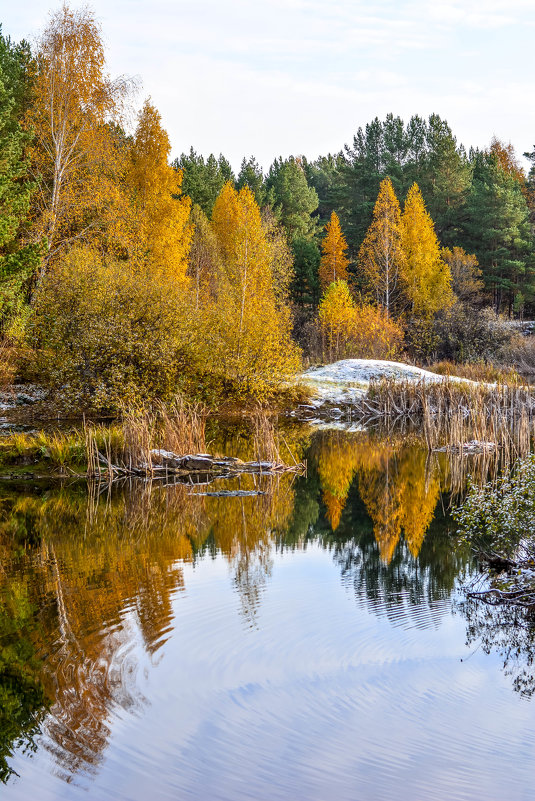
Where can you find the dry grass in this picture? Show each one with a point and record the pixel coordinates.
(477, 371)
(452, 414)
(7, 365)
(266, 441)
(180, 428)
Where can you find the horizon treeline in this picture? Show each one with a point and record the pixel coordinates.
(481, 200)
(124, 277)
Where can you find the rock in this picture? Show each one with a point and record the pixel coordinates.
(474, 446)
(166, 458)
(199, 462)
(230, 493)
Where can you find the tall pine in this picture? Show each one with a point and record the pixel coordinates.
(497, 230)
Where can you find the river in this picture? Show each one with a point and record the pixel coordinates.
(306, 641)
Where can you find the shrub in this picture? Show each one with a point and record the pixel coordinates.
(356, 330)
(467, 335)
(108, 334)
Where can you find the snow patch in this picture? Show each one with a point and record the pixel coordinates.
(343, 382)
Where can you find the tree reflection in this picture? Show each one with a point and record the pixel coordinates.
(398, 482)
(507, 631)
(91, 573)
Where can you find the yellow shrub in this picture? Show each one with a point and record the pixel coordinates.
(351, 330)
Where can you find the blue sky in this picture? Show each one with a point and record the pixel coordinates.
(281, 77)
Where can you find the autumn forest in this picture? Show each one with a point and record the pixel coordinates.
(124, 277)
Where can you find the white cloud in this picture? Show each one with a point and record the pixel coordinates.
(281, 76)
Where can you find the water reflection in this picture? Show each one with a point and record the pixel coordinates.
(399, 483)
(89, 578)
(508, 632)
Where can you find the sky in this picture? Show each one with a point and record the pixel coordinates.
(298, 77)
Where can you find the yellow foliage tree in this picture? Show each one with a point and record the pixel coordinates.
(162, 229)
(337, 462)
(203, 258)
(466, 275)
(74, 157)
(334, 263)
(427, 277)
(381, 257)
(355, 330)
(251, 331)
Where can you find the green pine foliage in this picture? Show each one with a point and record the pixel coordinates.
(497, 230)
(17, 260)
(203, 179)
(293, 200)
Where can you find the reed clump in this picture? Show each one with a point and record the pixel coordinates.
(454, 414)
(179, 428)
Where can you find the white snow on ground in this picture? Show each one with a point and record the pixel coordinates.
(346, 380)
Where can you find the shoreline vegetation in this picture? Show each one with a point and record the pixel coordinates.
(167, 443)
(126, 279)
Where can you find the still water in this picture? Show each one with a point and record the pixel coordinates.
(309, 642)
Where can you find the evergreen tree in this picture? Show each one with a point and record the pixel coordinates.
(18, 262)
(421, 151)
(203, 180)
(498, 231)
(305, 287)
(323, 175)
(292, 198)
(251, 175)
(444, 175)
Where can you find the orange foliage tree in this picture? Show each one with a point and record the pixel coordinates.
(334, 263)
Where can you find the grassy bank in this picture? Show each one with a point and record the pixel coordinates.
(168, 438)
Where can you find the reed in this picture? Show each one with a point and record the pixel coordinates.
(179, 428)
(453, 414)
(266, 441)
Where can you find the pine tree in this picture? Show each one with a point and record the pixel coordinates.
(497, 230)
(427, 278)
(381, 261)
(203, 180)
(334, 263)
(18, 262)
(305, 289)
(292, 198)
(251, 175)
